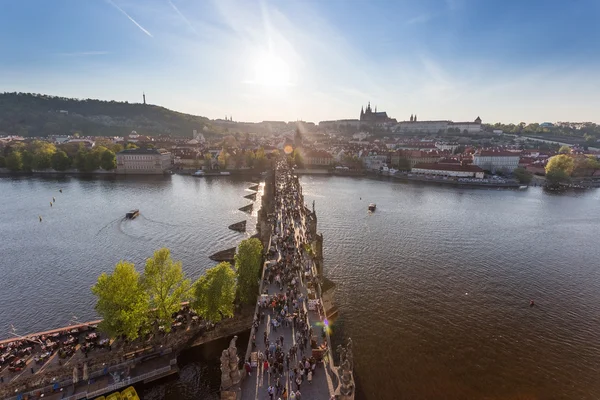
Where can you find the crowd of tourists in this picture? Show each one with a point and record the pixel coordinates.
(285, 356)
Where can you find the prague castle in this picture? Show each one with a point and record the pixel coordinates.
(369, 116)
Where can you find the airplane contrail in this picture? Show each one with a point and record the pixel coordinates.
(129, 17)
(187, 21)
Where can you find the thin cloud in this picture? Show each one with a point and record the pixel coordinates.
(85, 53)
(129, 17)
(420, 19)
(187, 21)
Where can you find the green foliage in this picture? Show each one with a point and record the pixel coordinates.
(248, 260)
(79, 161)
(564, 149)
(298, 159)
(29, 114)
(2, 162)
(249, 158)
(559, 168)
(130, 146)
(223, 158)
(27, 158)
(14, 161)
(214, 293)
(260, 159)
(60, 161)
(165, 284)
(522, 175)
(122, 303)
(108, 160)
(41, 161)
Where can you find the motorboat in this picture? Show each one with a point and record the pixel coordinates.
(132, 214)
(392, 171)
(199, 173)
(372, 207)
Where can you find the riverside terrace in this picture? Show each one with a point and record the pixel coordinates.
(109, 362)
(289, 354)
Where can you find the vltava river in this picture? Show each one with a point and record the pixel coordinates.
(434, 287)
(48, 267)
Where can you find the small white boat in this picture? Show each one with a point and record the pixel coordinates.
(225, 173)
(199, 173)
(392, 171)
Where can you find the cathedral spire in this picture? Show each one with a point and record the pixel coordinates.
(411, 118)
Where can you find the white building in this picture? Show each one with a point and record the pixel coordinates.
(143, 161)
(431, 127)
(447, 146)
(492, 160)
(434, 127)
(375, 161)
(455, 170)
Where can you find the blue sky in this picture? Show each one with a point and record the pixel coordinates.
(507, 61)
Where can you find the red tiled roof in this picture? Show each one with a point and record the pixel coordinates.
(449, 167)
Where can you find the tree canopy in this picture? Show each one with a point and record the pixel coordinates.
(165, 284)
(565, 149)
(30, 114)
(522, 175)
(248, 261)
(122, 302)
(559, 168)
(214, 293)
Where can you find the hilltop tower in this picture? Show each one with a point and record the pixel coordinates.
(144, 96)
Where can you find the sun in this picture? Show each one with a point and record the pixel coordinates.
(271, 70)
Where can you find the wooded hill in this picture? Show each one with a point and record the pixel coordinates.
(30, 114)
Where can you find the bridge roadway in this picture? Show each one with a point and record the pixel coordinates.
(255, 386)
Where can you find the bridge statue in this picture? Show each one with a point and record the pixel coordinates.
(346, 387)
(230, 373)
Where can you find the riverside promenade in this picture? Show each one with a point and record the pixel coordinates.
(289, 354)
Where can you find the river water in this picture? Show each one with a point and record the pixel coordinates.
(434, 287)
(48, 267)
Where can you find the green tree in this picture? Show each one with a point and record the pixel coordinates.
(522, 175)
(122, 302)
(260, 160)
(223, 158)
(248, 259)
(27, 158)
(559, 168)
(79, 161)
(130, 146)
(61, 161)
(298, 159)
(14, 161)
(108, 160)
(41, 160)
(166, 285)
(208, 160)
(214, 293)
(2, 162)
(249, 156)
(564, 149)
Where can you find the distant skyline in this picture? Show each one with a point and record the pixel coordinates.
(505, 61)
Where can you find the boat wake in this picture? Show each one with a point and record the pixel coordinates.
(160, 222)
(108, 225)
